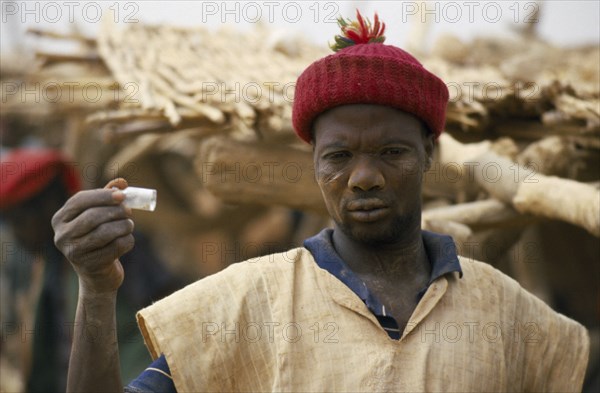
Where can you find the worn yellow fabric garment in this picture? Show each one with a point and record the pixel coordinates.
(280, 323)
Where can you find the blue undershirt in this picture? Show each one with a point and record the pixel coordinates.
(440, 250)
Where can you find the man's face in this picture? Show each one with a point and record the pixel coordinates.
(369, 164)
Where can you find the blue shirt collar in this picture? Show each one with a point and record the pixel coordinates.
(440, 249)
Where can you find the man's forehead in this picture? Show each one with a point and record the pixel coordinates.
(371, 112)
(359, 120)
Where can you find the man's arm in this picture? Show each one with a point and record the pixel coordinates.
(93, 229)
(94, 364)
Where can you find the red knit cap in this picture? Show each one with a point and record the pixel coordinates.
(366, 71)
(25, 172)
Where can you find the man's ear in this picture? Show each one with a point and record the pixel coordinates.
(429, 144)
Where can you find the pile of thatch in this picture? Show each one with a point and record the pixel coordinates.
(224, 80)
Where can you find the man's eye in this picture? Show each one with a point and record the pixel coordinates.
(394, 151)
(337, 155)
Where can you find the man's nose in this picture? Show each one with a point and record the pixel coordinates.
(365, 176)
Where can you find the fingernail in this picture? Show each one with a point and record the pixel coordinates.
(118, 196)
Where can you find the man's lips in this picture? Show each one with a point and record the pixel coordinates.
(367, 210)
(365, 204)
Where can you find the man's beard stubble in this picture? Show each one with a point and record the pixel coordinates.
(378, 235)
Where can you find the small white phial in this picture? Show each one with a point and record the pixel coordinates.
(140, 198)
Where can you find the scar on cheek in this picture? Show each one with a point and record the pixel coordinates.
(332, 177)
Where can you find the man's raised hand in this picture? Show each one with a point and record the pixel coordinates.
(93, 229)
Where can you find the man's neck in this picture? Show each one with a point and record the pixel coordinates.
(404, 261)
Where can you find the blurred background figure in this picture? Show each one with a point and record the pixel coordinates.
(39, 287)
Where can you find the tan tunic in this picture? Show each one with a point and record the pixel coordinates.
(280, 323)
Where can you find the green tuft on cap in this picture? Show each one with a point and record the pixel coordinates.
(357, 32)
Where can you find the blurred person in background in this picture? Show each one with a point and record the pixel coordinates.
(40, 288)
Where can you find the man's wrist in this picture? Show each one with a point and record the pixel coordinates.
(90, 292)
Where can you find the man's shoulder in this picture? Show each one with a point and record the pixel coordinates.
(234, 289)
(495, 287)
(491, 284)
(264, 264)
(246, 275)
(484, 274)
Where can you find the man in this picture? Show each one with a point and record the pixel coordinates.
(374, 304)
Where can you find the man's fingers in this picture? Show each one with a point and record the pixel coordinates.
(95, 247)
(119, 182)
(87, 199)
(106, 233)
(92, 218)
(102, 258)
(93, 229)
(124, 244)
